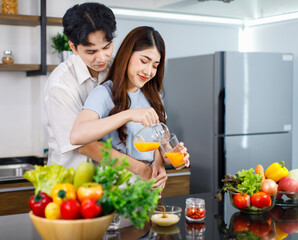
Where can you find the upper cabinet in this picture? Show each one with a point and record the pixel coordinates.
(32, 21)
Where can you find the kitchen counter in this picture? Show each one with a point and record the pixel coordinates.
(220, 223)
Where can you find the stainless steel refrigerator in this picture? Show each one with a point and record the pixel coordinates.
(232, 110)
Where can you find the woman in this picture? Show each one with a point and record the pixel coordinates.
(129, 98)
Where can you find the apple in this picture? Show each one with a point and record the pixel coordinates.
(288, 227)
(288, 184)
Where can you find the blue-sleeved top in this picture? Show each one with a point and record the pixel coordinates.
(100, 101)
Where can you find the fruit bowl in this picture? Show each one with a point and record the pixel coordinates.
(287, 199)
(80, 229)
(172, 213)
(252, 209)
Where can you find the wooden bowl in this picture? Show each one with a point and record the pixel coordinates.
(80, 229)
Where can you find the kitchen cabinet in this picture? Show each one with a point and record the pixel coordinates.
(14, 197)
(177, 183)
(32, 21)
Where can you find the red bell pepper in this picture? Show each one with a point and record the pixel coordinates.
(38, 203)
(90, 208)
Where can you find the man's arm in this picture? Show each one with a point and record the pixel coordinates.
(93, 151)
(158, 170)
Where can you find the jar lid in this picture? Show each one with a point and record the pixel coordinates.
(9, 52)
(195, 202)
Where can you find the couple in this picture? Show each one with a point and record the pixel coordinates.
(80, 111)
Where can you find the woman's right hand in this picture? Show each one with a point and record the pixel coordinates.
(146, 116)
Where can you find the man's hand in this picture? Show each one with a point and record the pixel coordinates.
(159, 171)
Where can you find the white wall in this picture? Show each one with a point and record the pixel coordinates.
(278, 37)
(22, 131)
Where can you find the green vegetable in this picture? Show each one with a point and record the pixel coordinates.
(250, 182)
(44, 178)
(135, 201)
(244, 181)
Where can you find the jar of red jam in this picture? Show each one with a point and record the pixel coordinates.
(195, 209)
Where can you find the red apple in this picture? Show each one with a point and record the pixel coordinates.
(288, 184)
(288, 227)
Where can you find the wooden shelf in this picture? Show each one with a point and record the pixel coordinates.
(27, 20)
(24, 67)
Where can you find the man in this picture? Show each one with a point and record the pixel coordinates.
(90, 28)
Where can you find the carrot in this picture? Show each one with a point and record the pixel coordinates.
(260, 170)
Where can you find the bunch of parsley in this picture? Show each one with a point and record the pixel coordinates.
(135, 201)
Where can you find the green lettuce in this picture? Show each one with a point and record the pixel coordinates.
(44, 178)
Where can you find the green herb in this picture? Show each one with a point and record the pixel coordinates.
(244, 181)
(247, 235)
(44, 178)
(135, 201)
(60, 43)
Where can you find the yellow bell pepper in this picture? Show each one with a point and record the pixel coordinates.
(280, 235)
(62, 192)
(276, 171)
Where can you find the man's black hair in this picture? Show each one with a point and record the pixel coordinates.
(83, 19)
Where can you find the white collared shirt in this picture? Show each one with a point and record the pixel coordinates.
(65, 93)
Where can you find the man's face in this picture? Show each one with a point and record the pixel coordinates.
(97, 55)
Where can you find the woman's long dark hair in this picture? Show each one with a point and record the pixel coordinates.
(138, 39)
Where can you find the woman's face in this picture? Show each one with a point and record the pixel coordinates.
(142, 67)
(97, 55)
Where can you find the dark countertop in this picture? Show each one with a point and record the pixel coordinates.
(220, 223)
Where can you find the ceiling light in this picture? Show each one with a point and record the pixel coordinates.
(226, 1)
(279, 18)
(175, 16)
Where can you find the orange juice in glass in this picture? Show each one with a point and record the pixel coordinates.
(172, 152)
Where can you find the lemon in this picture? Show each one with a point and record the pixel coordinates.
(52, 211)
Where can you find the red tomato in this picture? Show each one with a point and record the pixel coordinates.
(70, 209)
(90, 208)
(260, 200)
(242, 201)
(195, 213)
(260, 228)
(241, 223)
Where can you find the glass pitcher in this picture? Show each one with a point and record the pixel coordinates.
(150, 138)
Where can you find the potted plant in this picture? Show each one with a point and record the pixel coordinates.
(60, 44)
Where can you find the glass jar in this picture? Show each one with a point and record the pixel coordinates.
(149, 138)
(9, 6)
(195, 230)
(195, 209)
(7, 57)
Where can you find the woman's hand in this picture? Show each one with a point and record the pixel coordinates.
(146, 116)
(180, 147)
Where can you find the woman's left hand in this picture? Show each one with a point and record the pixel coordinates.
(181, 148)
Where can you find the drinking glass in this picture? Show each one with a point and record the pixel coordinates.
(149, 138)
(171, 150)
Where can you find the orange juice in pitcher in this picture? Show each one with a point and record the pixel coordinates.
(149, 138)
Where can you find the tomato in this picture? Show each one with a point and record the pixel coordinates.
(70, 209)
(241, 201)
(260, 200)
(90, 208)
(195, 213)
(260, 228)
(241, 223)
